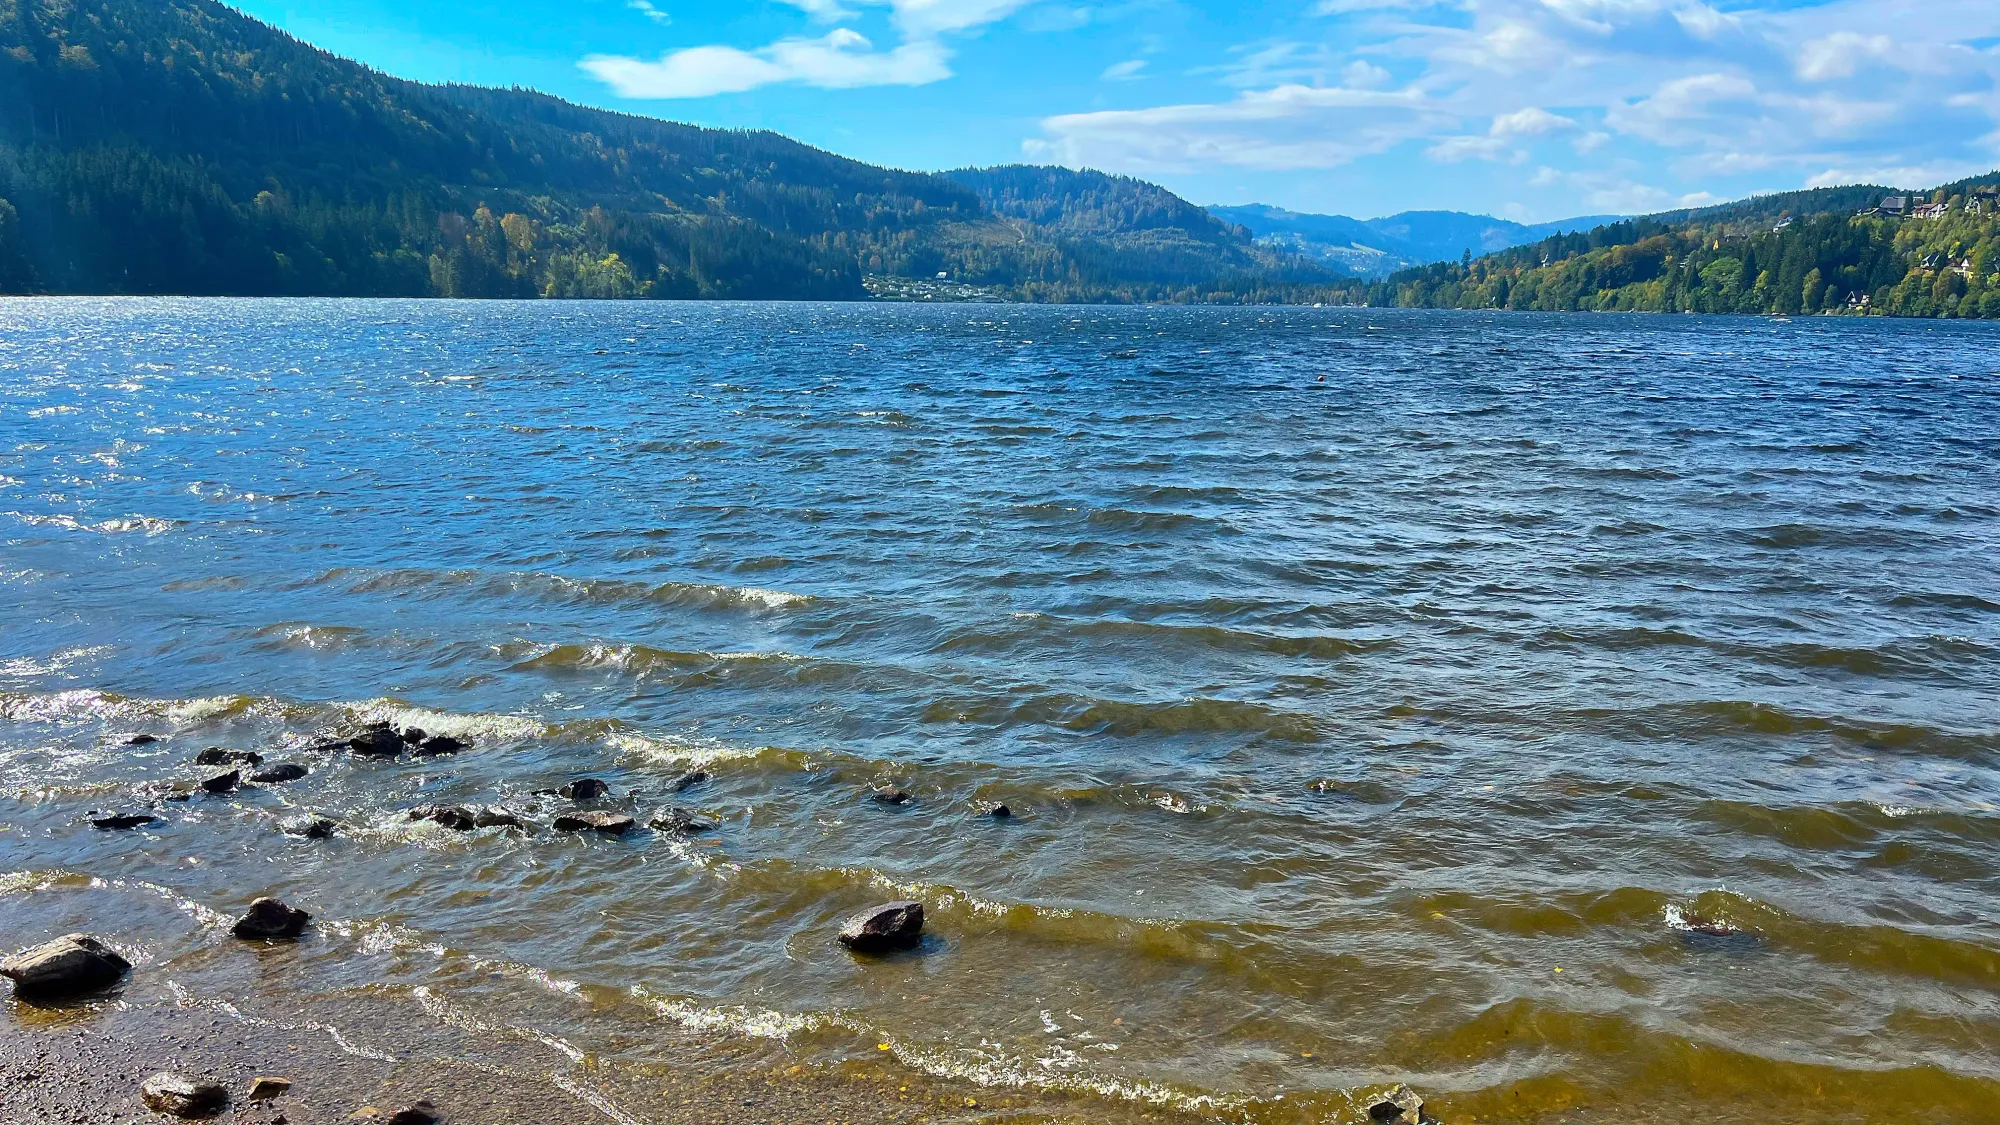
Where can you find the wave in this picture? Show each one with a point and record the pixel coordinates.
(557, 589)
(147, 525)
(1127, 719)
(1039, 628)
(1949, 657)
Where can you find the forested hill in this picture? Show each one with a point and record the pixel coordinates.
(178, 146)
(1850, 250)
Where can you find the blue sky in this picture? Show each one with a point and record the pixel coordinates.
(1531, 109)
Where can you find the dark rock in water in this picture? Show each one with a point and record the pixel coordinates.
(891, 796)
(614, 823)
(279, 773)
(268, 918)
(311, 827)
(1710, 934)
(422, 1113)
(266, 1087)
(70, 964)
(1400, 1106)
(114, 822)
(896, 925)
(441, 744)
(176, 790)
(414, 735)
(584, 789)
(454, 817)
(183, 1097)
(141, 740)
(1001, 812)
(679, 822)
(689, 780)
(329, 746)
(378, 743)
(220, 756)
(495, 818)
(223, 782)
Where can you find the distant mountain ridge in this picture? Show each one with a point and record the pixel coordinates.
(179, 146)
(1372, 247)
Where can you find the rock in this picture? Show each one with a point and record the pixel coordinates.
(414, 735)
(329, 746)
(219, 756)
(1400, 1105)
(454, 817)
(1001, 812)
(897, 925)
(495, 818)
(183, 1097)
(223, 782)
(422, 1113)
(689, 780)
(279, 773)
(376, 743)
(892, 796)
(441, 744)
(614, 823)
(113, 822)
(270, 919)
(311, 827)
(70, 964)
(584, 789)
(266, 1087)
(679, 822)
(141, 740)
(175, 790)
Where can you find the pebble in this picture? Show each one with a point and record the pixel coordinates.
(585, 789)
(279, 773)
(183, 1097)
(613, 823)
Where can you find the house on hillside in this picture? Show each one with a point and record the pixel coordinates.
(1892, 206)
(1930, 211)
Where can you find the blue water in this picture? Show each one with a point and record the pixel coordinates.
(1350, 671)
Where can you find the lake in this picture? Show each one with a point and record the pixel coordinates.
(1577, 717)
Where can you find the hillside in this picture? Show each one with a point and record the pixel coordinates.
(178, 146)
(1372, 247)
(1831, 250)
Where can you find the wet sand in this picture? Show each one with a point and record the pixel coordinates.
(84, 1064)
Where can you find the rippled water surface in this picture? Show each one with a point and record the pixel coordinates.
(1580, 718)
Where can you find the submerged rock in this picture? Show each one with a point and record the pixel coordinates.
(679, 822)
(455, 817)
(377, 743)
(183, 1097)
(613, 823)
(422, 1113)
(141, 740)
(267, 1086)
(493, 817)
(414, 735)
(441, 744)
(175, 790)
(584, 789)
(279, 773)
(1001, 812)
(113, 822)
(881, 929)
(70, 964)
(891, 796)
(311, 827)
(689, 780)
(223, 782)
(270, 919)
(1400, 1106)
(221, 756)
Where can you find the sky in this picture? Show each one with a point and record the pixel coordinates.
(1533, 110)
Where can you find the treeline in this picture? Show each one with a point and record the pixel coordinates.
(177, 146)
(1738, 260)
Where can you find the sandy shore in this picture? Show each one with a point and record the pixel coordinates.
(84, 1065)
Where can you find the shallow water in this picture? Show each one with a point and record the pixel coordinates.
(1411, 724)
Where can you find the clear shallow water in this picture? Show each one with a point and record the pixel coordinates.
(1340, 715)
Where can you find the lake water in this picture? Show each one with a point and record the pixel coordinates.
(1581, 718)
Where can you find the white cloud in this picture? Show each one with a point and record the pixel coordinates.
(839, 59)
(1123, 71)
(1364, 75)
(843, 58)
(1841, 54)
(646, 8)
(1289, 127)
(1500, 137)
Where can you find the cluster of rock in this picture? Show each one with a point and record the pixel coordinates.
(176, 1096)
